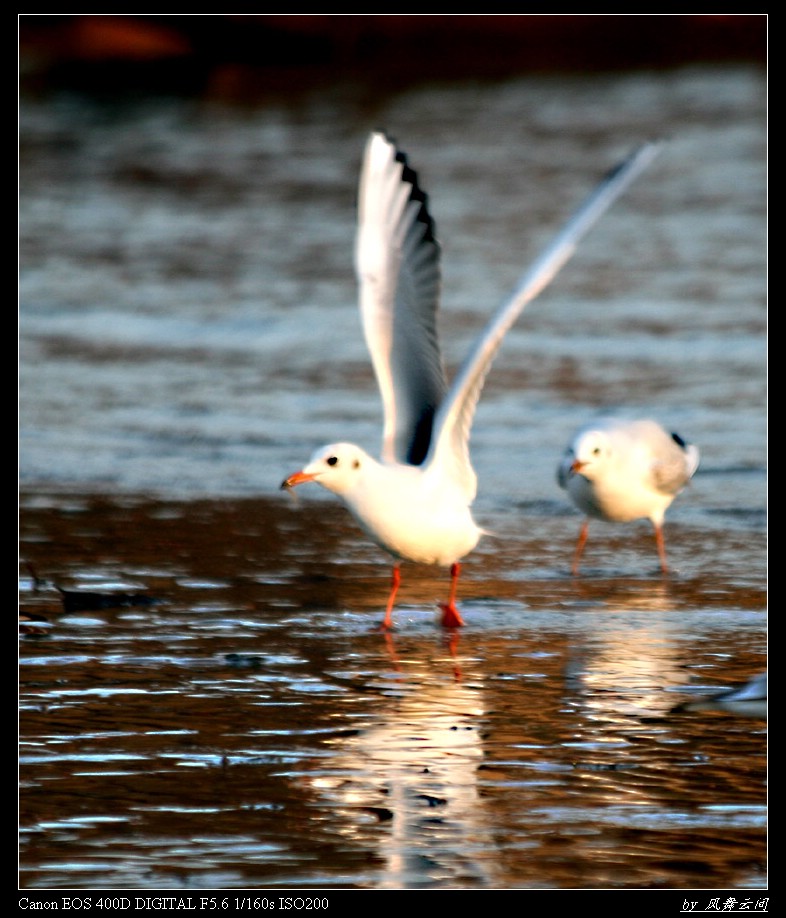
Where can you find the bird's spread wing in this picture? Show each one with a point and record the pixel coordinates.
(450, 440)
(397, 261)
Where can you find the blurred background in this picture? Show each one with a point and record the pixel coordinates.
(187, 189)
(246, 56)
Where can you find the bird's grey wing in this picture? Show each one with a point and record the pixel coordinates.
(450, 442)
(397, 260)
(755, 689)
(678, 465)
(749, 699)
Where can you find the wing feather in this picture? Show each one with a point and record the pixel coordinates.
(450, 441)
(397, 260)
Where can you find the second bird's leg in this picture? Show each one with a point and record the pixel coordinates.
(387, 622)
(580, 546)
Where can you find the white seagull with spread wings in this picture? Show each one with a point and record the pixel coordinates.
(415, 501)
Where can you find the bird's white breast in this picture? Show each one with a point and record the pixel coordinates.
(617, 497)
(412, 516)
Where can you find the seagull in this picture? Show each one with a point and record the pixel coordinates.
(414, 502)
(620, 470)
(749, 698)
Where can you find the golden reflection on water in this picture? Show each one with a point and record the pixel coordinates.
(415, 768)
(254, 726)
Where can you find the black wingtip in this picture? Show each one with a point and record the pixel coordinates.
(417, 194)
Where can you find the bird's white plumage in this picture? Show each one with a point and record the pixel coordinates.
(415, 502)
(619, 470)
(397, 261)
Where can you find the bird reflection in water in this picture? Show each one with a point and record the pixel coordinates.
(414, 774)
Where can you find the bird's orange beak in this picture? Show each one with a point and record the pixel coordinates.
(577, 466)
(296, 479)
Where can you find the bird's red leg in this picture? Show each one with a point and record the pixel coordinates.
(450, 614)
(661, 548)
(387, 622)
(580, 546)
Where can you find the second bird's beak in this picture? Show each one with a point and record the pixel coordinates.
(296, 479)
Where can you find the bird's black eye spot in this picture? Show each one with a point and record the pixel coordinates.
(333, 460)
(596, 451)
(356, 464)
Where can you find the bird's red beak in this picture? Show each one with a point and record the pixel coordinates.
(577, 466)
(296, 479)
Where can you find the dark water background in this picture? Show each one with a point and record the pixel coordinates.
(189, 333)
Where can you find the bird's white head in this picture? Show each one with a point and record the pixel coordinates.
(588, 452)
(337, 467)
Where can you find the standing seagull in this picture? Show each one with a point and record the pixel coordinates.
(415, 502)
(618, 470)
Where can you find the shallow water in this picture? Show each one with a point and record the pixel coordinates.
(188, 335)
